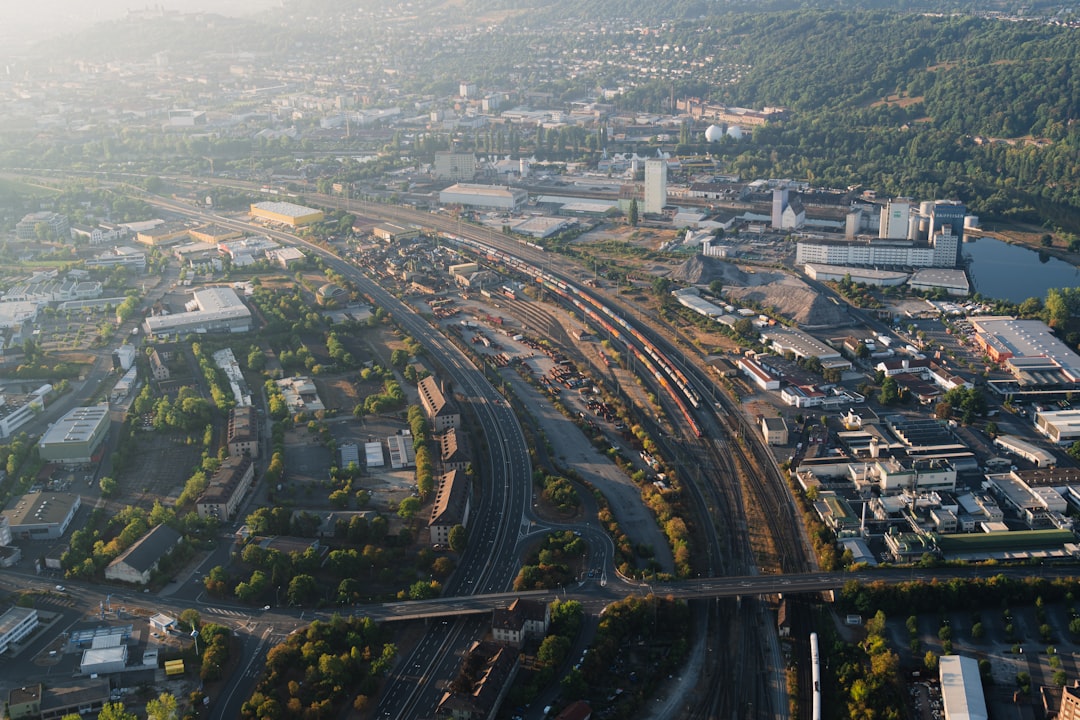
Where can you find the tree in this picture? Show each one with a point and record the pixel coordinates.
(108, 486)
(302, 590)
(115, 711)
(632, 218)
(716, 288)
(744, 328)
(191, 618)
(458, 538)
(163, 707)
(408, 508)
(553, 650)
(890, 392)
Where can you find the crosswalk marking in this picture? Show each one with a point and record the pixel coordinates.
(230, 613)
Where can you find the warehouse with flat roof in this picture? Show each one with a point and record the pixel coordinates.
(961, 688)
(76, 437)
(1028, 349)
(492, 197)
(286, 213)
(41, 515)
(1061, 426)
(218, 309)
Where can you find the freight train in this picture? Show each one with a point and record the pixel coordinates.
(663, 370)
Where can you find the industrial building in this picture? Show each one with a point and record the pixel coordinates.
(76, 437)
(486, 197)
(391, 233)
(53, 702)
(119, 256)
(774, 431)
(41, 515)
(301, 395)
(217, 309)
(214, 234)
(108, 655)
(15, 314)
(286, 256)
(784, 339)
(1038, 361)
(961, 688)
(868, 276)
(286, 213)
(1061, 426)
(138, 562)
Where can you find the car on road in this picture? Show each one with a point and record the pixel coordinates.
(61, 588)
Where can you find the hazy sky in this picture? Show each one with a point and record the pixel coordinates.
(23, 22)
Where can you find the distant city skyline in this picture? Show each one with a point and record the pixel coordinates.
(24, 24)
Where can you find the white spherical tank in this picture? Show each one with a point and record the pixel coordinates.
(713, 133)
(735, 132)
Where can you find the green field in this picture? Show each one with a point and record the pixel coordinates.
(11, 185)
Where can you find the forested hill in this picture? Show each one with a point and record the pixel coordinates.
(962, 75)
(650, 10)
(929, 106)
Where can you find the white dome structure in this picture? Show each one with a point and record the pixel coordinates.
(736, 132)
(713, 133)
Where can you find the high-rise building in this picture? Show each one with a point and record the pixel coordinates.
(1070, 703)
(655, 185)
(895, 217)
(949, 213)
(946, 248)
(451, 165)
(779, 204)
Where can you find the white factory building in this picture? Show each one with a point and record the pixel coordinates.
(213, 309)
(961, 688)
(487, 197)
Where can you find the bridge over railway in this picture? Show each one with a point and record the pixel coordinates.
(594, 596)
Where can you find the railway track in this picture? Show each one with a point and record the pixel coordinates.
(726, 472)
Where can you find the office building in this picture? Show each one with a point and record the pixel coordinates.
(15, 624)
